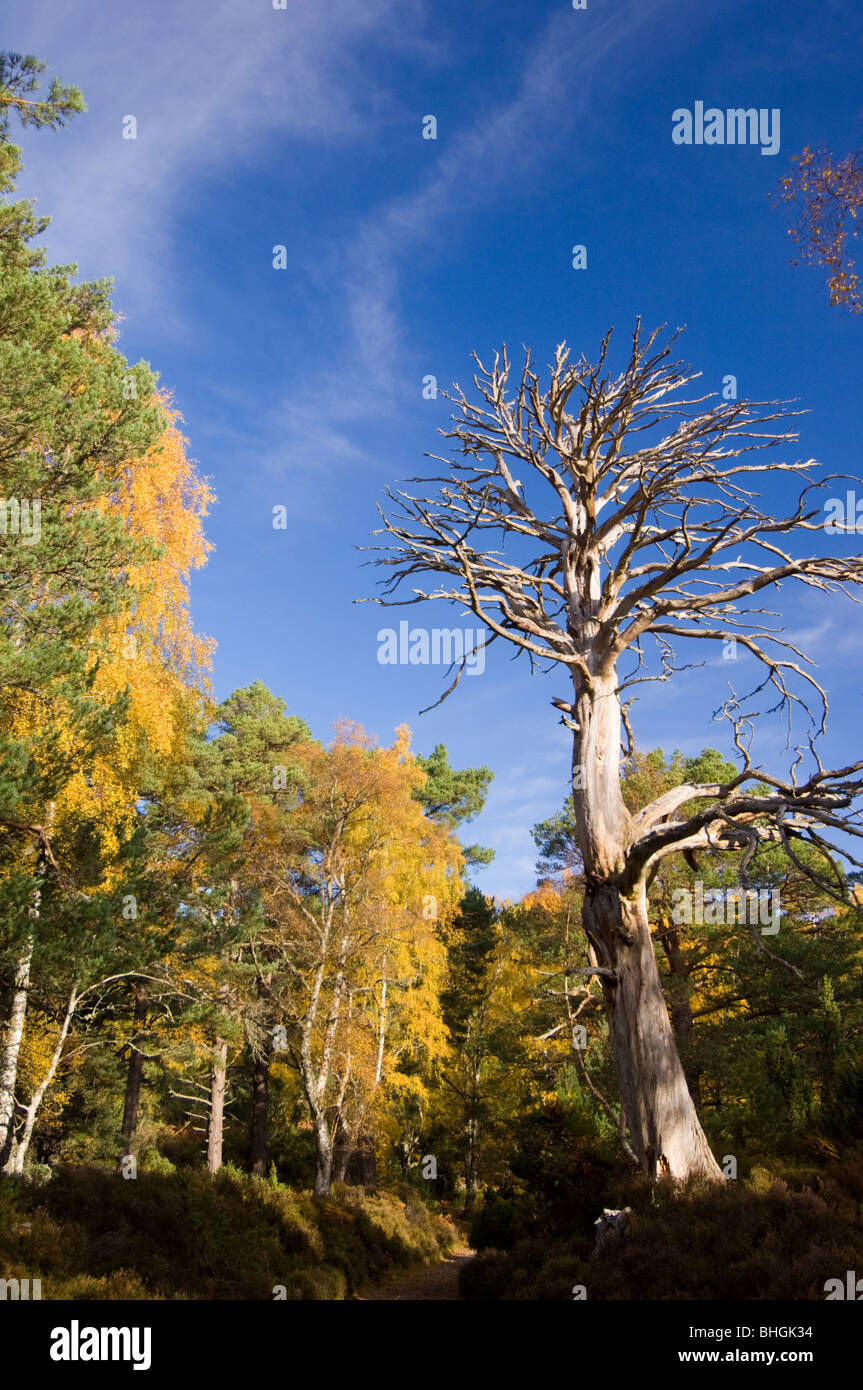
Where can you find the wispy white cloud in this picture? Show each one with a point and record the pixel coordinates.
(212, 86)
(492, 160)
(483, 164)
(207, 84)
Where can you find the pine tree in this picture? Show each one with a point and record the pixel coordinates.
(73, 411)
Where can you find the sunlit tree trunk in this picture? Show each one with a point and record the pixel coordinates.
(664, 1128)
(323, 1157)
(12, 1043)
(680, 1004)
(215, 1130)
(19, 1149)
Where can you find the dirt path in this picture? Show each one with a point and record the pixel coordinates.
(438, 1282)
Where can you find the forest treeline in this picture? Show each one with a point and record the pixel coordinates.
(225, 945)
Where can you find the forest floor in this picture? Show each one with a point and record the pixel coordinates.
(438, 1281)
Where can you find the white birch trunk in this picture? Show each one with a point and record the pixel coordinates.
(12, 1043)
(18, 1152)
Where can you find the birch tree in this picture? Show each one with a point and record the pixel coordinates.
(347, 940)
(593, 521)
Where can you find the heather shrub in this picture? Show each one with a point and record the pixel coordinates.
(185, 1234)
(731, 1241)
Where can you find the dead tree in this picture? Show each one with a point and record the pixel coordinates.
(577, 520)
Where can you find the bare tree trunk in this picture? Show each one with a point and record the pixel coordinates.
(215, 1129)
(12, 1044)
(136, 1070)
(260, 1086)
(663, 1125)
(18, 1152)
(323, 1158)
(680, 1004)
(314, 1086)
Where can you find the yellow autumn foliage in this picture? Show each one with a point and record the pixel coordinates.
(150, 650)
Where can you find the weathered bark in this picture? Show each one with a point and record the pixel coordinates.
(664, 1128)
(135, 1071)
(680, 1003)
(663, 1125)
(215, 1129)
(12, 1044)
(259, 1148)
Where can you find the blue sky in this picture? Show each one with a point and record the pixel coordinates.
(302, 387)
